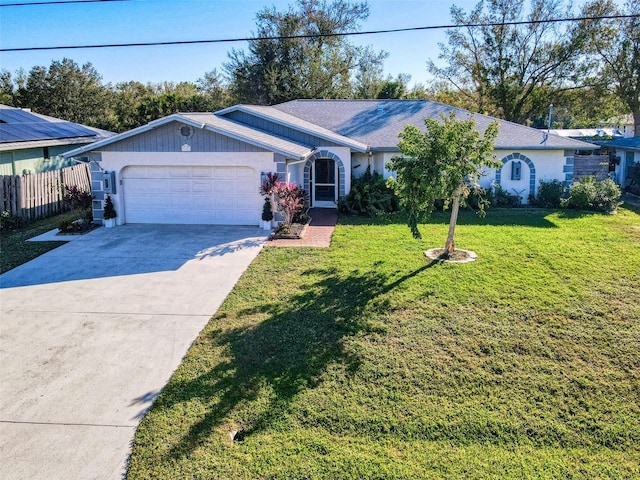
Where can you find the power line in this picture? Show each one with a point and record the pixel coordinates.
(316, 35)
(57, 2)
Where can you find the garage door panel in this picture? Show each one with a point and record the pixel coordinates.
(244, 175)
(205, 202)
(180, 172)
(179, 186)
(202, 186)
(245, 203)
(201, 172)
(225, 172)
(247, 188)
(192, 195)
(149, 186)
(180, 202)
(225, 187)
(146, 202)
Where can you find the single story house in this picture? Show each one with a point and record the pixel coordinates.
(34, 143)
(208, 167)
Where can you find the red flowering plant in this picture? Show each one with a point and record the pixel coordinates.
(287, 199)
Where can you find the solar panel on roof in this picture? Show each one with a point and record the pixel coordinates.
(15, 115)
(23, 132)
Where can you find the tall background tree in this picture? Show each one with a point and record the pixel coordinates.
(70, 92)
(616, 42)
(66, 90)
(506, 70)
(442, 163)
(275, 70)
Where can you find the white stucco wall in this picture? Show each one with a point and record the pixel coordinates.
(547, 165)
(118, 161)
(377, 161)
(536, 165)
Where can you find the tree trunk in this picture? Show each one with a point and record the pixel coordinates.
(636, 122)
(449, 248)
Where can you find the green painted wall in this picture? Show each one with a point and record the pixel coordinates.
(31, 160)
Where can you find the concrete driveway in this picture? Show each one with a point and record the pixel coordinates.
(91, 332)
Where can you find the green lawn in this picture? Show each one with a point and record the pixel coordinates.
(14, 248)
(364, 360)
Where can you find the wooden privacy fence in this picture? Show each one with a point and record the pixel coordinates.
(596, 166)
(40, 195)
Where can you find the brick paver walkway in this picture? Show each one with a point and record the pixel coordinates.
(318, 234)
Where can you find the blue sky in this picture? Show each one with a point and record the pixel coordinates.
(176, 20)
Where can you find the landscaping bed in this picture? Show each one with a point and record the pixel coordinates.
(368, 360)
(15, 248)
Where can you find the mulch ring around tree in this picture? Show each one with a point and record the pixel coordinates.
(458, 255)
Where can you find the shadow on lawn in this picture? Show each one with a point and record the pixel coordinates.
(285, 354)
(496, 217)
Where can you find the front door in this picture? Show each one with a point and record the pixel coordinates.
(325, 188)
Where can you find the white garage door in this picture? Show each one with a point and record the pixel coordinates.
(192, 195)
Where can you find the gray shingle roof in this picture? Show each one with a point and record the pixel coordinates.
(378, 122)
(248, 134)
(629, 143)
(284, 118)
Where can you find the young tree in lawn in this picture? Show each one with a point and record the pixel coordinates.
(443, 163)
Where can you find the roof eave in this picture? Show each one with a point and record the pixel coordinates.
(584, 146)
(57, 142)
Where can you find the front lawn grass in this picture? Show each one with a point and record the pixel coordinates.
(366, 360)
(16, 250)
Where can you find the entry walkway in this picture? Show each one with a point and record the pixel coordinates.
(318, 234)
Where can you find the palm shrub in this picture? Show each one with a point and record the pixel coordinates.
(371, 195)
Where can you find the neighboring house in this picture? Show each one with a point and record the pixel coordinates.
(207, 167)
(588, 134)
(33, 143)
(626, 154)
(622, 124)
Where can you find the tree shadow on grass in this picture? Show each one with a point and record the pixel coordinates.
(495, 217)
(285, 354)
